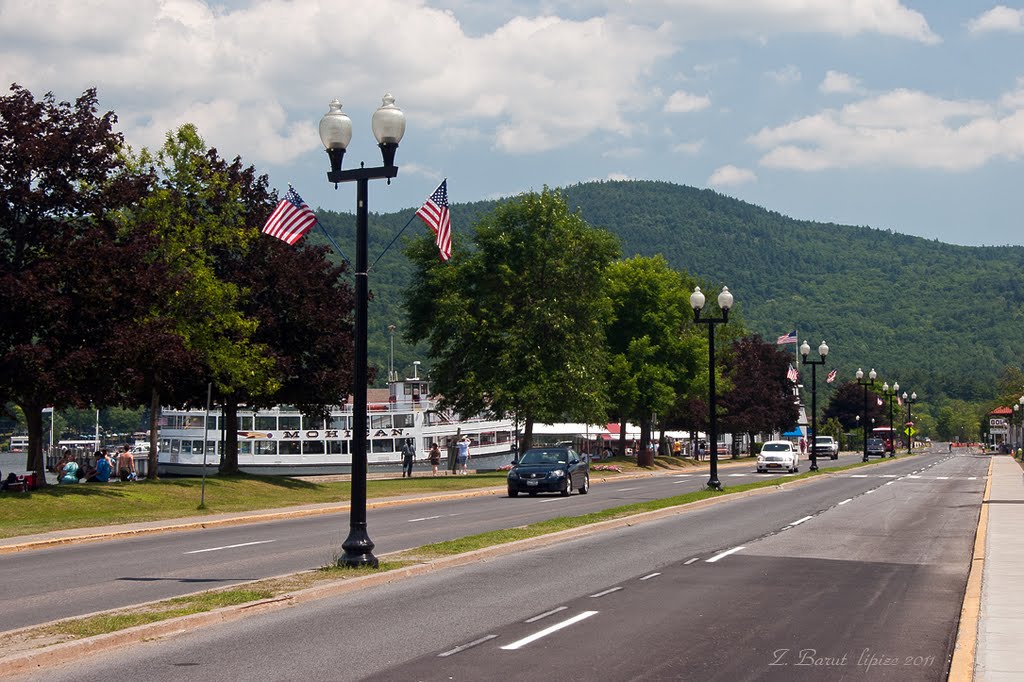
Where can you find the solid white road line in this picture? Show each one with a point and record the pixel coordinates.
(545, 614)
(608, 591)
(424, 518)
(242, 544)
(724, 554)
(547, 631)
(652, 575)
(463, 647)
(799, 521)
(696, 558)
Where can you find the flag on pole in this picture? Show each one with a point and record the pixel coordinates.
(786, 338)
(291, 219)
(899, 400)
(792, 374)
(434, 213)
(831, 377)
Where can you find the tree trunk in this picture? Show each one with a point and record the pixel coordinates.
(34, 456)
(527, 434)
(229, 421)
(622, 437)
(644, 457)
(154, 437)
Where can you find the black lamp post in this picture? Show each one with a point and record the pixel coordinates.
(891, 394)
(805, 350)
(388, 124)
(725, 303)
(1016, 424)
(865, 384)
(910, 424)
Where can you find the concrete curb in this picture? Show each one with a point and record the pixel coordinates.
(961, 667)
(58, 654)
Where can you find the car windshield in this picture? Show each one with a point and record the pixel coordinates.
(823, 439)
(545, 456)
(776, 447)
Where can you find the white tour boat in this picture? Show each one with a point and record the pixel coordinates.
(280, 441)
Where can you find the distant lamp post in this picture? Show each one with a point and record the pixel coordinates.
(388, 125)
(725, 301)
(910, 424)
(890, 394)
(870, 382)
(1015, 423)
(805, 350)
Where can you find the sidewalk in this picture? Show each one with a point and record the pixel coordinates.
(999, 654)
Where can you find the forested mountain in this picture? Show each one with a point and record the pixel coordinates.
(941, 319)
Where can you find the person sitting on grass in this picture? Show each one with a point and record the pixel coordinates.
(68, 472)
(102, 471)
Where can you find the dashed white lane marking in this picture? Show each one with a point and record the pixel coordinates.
(463, 647)
(546, 614)
(652, 575)
(849, 499)
(799, 521)
(622, 490)
(858, 475)
(687, 563)
(912, 476)
(722, 555)
(942, 478)
(241, 544)
(972, 478)
(424, 518)
(890, 476)
(547, 631)
(608, 591)
(889, 482)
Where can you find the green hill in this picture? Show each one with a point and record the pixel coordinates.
(939, 318)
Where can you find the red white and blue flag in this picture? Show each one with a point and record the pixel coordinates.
(786, 338)
(291, 219)
(435, 213)
(792, 374)
(831, 377)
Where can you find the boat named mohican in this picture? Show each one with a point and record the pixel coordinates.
(280, 441)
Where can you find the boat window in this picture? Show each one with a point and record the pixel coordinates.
(211, 424)
(312, 424)
(503, 436)
(288, 423)
(487, 438)
(186, 447)
(266, 423)
(380, 421)
(337, 447)
(339, 422)
(381, 445)
(266, 447)
(405, 421)
(313, 447)
(194, 422)
(244, 447)
(244, 422)
(289, 447)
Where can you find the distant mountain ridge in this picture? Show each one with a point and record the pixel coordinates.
(939, 318)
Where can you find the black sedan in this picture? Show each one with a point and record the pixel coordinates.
(549, 470)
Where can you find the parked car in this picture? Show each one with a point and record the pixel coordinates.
(826, 446)
(549, 470)
(875, 446)
(776, 455)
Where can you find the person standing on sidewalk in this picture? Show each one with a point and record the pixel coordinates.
(408, 453)
(463, 456)
(435, 457)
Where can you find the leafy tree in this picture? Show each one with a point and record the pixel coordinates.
(847, 406)
(653, 344)
(73, 282)
(760, 399)
(516, 325)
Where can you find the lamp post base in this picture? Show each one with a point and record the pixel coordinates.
(814, 464)
(358, 550)
(714, 484)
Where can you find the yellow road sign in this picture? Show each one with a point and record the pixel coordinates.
(910, 431)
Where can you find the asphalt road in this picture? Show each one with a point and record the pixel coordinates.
(73, 580)
(857, 576)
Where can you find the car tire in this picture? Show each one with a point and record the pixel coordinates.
(533, 493)
(585, 488)
(835, 456)
(513, 493)
(568, 486)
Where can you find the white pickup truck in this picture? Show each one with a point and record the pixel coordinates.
(826, 446)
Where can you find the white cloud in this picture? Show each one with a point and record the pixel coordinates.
(731, 175)
(999, 18)
(838, 82)
(902, 128)
(688, 148)
(680, 102)
(787, 74)
(760, 18)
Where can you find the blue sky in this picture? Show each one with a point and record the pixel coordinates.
(906, 116)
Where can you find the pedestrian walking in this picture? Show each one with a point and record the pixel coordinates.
(434, 454)
(463, 457)
(408, 453)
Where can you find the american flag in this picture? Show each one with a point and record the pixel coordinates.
(899, 400)
(786, 338)
(831, 377)
(434, 213)
(291, 219)
(792, 374)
